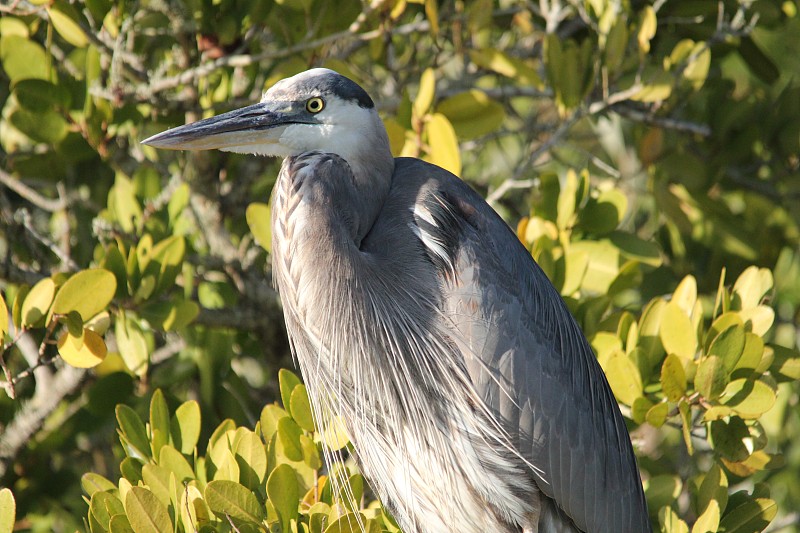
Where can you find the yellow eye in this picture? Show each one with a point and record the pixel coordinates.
(315, 105)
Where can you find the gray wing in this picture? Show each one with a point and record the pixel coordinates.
(532, 364)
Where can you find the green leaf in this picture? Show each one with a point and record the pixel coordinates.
(48, 127)
(728, 346)
(728, 438)
(159, 422)
(259, 219)
(146, 513)
(711, 377)
(104, 505)
(284, 493)
(685, 411)
(632, 247)
(750, 516)
(8, 511)
(301, 408)
(604, 213)
(714, 487)
(289, 435)
(88, 292)
(134, 431)
(287, 380)
(662, 490)
(91, 483)
(676, 332)
(37, 302)
(228, 497)
(23, 59)
(443, 144)
(673, 378)
(749, 398)
(39, 96)
(185, 427)
(120, 524)
(131, 469)
(472, 113)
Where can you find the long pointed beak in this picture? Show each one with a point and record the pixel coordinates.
(233, 130)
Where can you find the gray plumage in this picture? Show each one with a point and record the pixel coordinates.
(419, 320)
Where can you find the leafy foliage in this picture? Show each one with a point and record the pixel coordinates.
(249, 480)
(658, 149)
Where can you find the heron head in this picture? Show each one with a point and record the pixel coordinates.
(316, 110)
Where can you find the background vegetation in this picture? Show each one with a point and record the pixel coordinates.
(647, 153)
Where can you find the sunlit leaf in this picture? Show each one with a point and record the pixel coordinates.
(259, 220)
(146, 513)
(88, 292)
(8, 511)
(37, 302)
(85, 351)
(443, 143)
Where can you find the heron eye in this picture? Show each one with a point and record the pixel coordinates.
(315, 105)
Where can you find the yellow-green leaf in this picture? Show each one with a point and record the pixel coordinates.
(185, 427)
(749, 398)
(506, 65)
(131, 344)
(88, 292)
(65, 21)
(624, 378)
(146, 513)
(3, 318)
(427, 87)
(259, 219)
(673, 378)
(85, 351)
(657, 414)
(37, 302)
(708, 521)
(472, 113)
(8, 511)
(676, 332)
(301, 408)
(711, 377)
(751, 286)
(647, 29)
(231, 498)
(443, 144)
(670, 522)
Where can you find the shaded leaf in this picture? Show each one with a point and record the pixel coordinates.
(284, 493)
(673, 378)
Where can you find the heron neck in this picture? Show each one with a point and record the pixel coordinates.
(372, 179)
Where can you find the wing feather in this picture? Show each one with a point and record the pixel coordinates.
(533, 367)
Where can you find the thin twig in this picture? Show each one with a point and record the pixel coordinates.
(30, 194)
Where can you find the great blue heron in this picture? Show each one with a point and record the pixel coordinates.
(473, 400)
